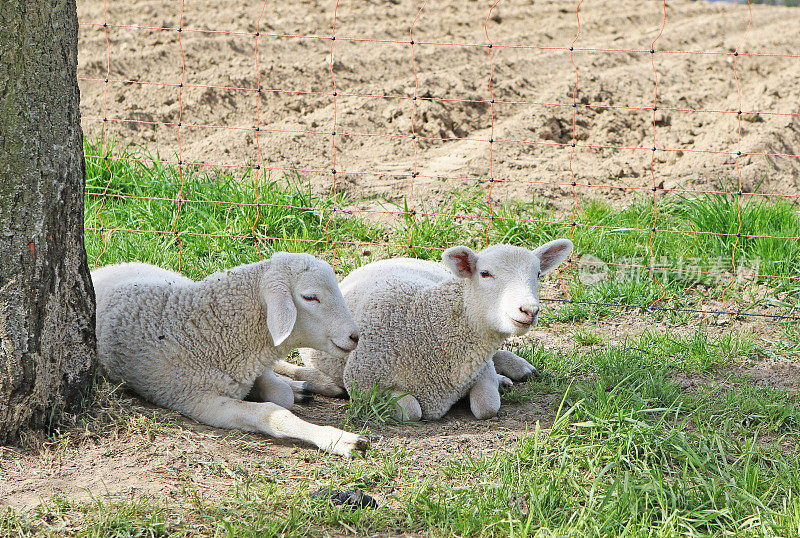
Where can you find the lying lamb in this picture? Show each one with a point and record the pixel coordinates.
(432, 338)
(200, 347)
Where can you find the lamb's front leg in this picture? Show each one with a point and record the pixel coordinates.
(273, 420)
(318, 381)
(271, 387)
(484, 396)
(512, 365)
(406, 407)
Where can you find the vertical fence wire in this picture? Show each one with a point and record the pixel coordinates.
(257, 172)
(179, 199)
(104, 149)
(738, 151)
(653, 157)
(332, 214)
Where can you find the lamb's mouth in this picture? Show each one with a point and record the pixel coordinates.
(520, 324)
(342, 349)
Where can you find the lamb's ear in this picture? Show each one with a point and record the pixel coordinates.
(553, 254)
(281, 312)
(460, 260)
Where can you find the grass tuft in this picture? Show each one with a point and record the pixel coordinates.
(375, 406)
(587, 337)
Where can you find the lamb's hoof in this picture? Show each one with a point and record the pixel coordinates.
(361, 445)
(505, 384)
(304, 394)
(353, 499)
(303, 397)
(484, 414)
(330, 390)
(533, 374)
(349, 444)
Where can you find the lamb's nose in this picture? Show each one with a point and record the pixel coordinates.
(354, 337)
(529, 311)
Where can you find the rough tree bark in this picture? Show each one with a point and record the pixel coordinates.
(47, 343)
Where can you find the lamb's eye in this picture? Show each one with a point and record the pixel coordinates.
(486, 274)
(310, 297)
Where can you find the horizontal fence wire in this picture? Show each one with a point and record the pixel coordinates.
(414, 211)
(465, 216)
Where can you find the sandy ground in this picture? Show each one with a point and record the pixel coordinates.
(375, 154)
(181, 452)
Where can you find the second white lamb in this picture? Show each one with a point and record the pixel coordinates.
(431, 333)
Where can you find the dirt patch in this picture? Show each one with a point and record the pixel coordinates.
(781, 373)
(214, 58)
(180, 453)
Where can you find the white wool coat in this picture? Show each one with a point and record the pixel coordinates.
(168, 336)
(417, 336)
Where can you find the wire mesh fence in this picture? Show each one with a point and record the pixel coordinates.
(401, 127)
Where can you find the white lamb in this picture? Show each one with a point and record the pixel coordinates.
(200, 347)
(433, 338)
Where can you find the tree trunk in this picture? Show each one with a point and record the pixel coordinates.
(47, 342)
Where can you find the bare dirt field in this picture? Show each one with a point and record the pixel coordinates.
(531, 121)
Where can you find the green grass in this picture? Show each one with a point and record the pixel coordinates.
(681, 260)
(440, 230)
(652, 359)
(612, 466)
(744, 407)
(13, 523)
(284, 216)
(635, 454)
(586, 337)
(695, 352)
(720, 214)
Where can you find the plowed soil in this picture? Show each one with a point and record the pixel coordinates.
(534, 84)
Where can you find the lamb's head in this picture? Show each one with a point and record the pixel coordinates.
(303, 301)
(502, 288)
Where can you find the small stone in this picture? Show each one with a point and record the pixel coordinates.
(551, 130)
(520, 504)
